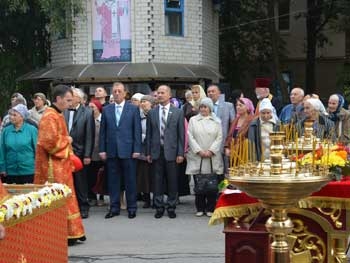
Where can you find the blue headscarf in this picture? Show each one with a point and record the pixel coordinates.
(334, 116)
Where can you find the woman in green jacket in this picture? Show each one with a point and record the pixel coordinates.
(17, 148)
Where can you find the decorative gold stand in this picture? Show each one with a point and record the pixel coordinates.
(279, 185)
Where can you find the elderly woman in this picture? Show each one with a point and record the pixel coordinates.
(96, 162)
(205, 136)
(260, 128)
(187, 106)
(239, 126)
(17, 148)
(40, 105)
(340, 117)
(314, 112)
(143, 168)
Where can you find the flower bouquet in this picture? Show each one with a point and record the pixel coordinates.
(335, 157)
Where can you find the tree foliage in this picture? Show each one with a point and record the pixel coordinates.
(25, 39)
(245, 40)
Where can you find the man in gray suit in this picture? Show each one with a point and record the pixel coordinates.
(224, 111)
(165, 139)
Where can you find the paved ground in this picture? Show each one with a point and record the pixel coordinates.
(146, 239)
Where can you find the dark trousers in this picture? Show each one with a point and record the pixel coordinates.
(165, 176)
(143, 177)
(205, 202)
(81, 188)
(92, 177)
(118, 169)
(19, 179)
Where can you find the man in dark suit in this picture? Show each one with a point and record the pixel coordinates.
(120, 144)
(81, 127)
(165, 149)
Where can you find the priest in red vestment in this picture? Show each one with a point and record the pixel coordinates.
(52, 161)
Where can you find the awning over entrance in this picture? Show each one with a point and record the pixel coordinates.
(124, 72)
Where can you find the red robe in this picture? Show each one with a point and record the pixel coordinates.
(3, 193)
(52, 163)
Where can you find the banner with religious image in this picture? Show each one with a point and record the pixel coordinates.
(111, 29)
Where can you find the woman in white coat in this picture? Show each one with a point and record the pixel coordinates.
(204, 139)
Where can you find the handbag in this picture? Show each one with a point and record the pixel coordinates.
(206, 183)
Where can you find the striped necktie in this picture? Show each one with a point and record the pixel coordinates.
(162, 125)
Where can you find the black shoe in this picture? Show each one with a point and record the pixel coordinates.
(72, 241)
(159, 214)
(111, 214)
(84, 214)
(171, 214)
(131, 215)
(83, 238)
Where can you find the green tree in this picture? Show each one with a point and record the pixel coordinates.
(343, 25)
(25, 39)
(322, 15)
(246, 35)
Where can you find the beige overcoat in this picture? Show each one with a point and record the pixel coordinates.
(204, 133)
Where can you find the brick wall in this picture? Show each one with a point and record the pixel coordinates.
(210, 34)
(199, 45)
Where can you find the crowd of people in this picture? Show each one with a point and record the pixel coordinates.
(148, 146)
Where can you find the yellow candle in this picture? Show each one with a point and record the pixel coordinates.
(246, 150)
(296, 151)
(328, 153)
(313, 152)
(296, 145)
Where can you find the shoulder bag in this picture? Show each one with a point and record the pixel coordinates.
(206, 183)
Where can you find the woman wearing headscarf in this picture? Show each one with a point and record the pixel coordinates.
(340, 117)
(198, 94)
(314, 112)
(204, 137)
(143, 168)
(96, 162)
(260, 129)
(239, 126)
(17, 148)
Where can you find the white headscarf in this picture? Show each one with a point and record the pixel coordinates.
(266, 104)
(317, 105)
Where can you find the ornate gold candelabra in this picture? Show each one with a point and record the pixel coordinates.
(279, 185)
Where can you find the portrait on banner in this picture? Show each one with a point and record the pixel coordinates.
(111, 30)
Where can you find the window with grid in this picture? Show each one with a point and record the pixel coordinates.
(174, 13)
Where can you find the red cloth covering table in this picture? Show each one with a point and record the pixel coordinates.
(321, 225)
(40, 237)
(335, 194)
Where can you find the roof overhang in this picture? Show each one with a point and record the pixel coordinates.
(108, 72)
